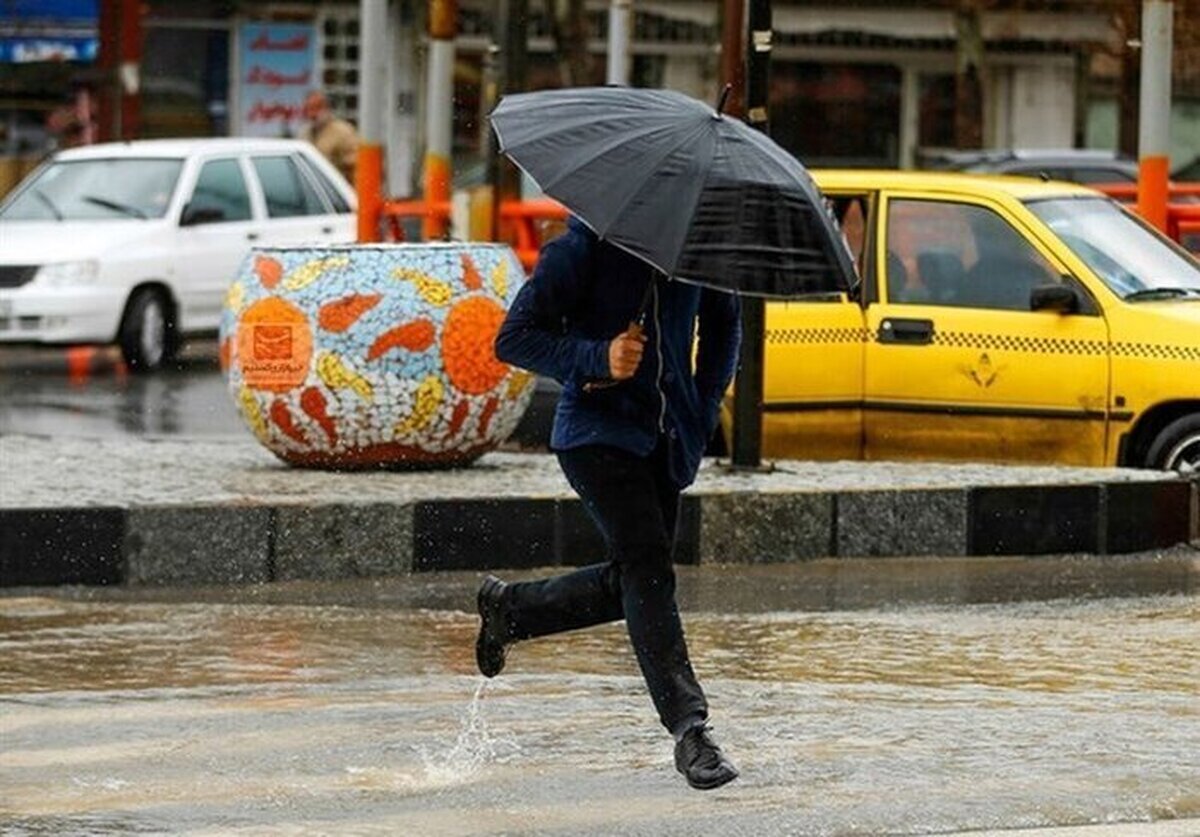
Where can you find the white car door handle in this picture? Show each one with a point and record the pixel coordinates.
(252, 236)
(326, 230)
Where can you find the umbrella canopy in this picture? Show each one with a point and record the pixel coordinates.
(701, 196)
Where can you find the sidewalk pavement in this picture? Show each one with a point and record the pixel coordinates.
(1158, 828)
(194, 511)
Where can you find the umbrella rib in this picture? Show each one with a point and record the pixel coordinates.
(609, 145)
(566, 125)
(712, 150)
(682, 142)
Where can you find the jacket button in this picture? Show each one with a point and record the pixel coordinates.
(669, 377)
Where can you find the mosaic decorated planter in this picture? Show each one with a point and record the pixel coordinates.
(365, 356)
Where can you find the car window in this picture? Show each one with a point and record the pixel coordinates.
(96, 189)
(1033, 171)
(1123, 251)
(1100, 175)
(851, 213)
(327, 188)
(220, 186)
(1075, 174)
(287, 192)
(957, 254)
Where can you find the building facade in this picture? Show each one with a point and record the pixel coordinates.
(859, 83)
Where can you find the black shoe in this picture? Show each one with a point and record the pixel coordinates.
(701, 761)
(493, 632)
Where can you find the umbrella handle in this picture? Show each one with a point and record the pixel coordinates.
(604, 383)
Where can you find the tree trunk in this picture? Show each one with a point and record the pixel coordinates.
(569, 28)
(968, 82)
(1128, 23)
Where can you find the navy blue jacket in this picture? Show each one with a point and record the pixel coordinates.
(583, 293)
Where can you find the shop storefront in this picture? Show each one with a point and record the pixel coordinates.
(853, 85)
(43, 43)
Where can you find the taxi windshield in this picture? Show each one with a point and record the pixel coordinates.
(1133, 260)
(96, 189)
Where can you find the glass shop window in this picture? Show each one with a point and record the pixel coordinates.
(837, 114)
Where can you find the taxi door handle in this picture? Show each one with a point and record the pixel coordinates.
(908, 332)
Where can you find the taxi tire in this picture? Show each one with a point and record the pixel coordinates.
(1183, 431)
(147, 308)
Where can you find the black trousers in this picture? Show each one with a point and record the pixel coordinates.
(635, 506)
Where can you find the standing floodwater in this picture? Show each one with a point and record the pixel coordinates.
(355, 708)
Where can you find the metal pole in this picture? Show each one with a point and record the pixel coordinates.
(372, 110)
(119, 65)
(439, 110)
(620, 27)
(487, 208)
(130, 69)
(402, 131)
(512, 75)
(748, 392)
(1154, 121)
(733, 66)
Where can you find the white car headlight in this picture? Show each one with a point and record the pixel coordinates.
(69, 273)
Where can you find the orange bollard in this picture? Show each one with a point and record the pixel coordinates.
(1153, 188)
(79, 363)
(437, 190)
(368, 183)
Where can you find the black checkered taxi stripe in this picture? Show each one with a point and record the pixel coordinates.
(825, 336)
(1157, 350)
(990, 342)
(1018, 343)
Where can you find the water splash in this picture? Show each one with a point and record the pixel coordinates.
(473, 750)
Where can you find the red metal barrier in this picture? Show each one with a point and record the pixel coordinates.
(1178, 193)
(525, 219)
(522, 222)
(1183, 225)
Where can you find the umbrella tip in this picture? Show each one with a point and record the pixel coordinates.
(723, 98)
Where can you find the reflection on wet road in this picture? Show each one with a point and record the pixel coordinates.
(41, 394)
(38, 396)
(355, 708)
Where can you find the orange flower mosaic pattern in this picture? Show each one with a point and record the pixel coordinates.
(374, 356)
(467, 339)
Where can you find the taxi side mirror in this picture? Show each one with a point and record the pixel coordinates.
(1057, 297)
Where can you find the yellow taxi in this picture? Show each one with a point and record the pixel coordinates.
(999, 319)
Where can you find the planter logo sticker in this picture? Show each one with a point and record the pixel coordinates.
(272, 342)
(274, 345)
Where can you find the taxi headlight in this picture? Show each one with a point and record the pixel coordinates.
(69, 273)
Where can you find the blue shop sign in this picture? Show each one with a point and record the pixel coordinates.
(48, 30)
(73, 10)
(27, 50)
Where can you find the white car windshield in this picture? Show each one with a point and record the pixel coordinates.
(88, 190)
(1133, 260)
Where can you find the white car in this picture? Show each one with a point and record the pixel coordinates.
(136, 243)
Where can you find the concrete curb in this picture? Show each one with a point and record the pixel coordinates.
(243, 542)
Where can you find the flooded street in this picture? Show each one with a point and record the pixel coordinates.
(355, 708)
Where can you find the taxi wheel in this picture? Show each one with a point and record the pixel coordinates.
(146, 332)
(1177, 447)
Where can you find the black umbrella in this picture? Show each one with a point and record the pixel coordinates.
(701, 196)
